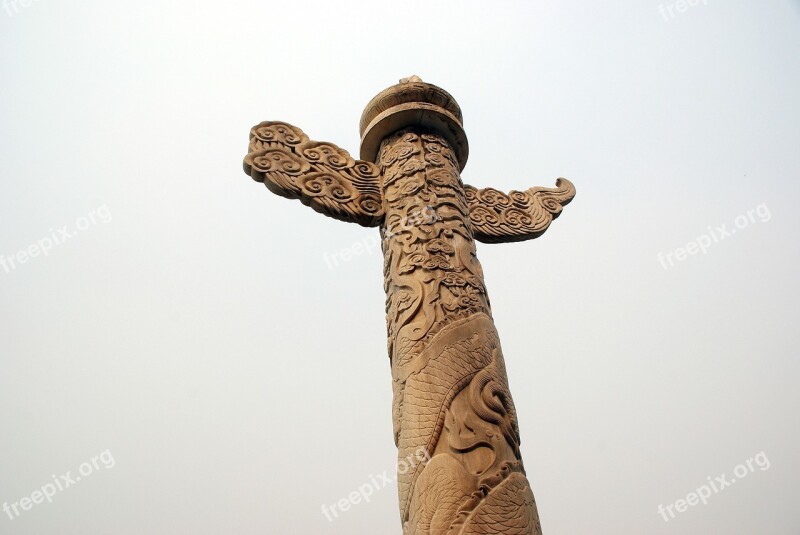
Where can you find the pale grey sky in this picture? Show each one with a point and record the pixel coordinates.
(191, 330)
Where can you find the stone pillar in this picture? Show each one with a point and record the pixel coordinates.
(460, 470)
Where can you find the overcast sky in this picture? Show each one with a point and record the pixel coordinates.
(184, 349)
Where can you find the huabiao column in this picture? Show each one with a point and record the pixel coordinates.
(451, 395)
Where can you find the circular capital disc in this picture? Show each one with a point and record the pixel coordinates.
(412, 103)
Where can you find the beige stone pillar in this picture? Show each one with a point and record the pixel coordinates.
(460, 470)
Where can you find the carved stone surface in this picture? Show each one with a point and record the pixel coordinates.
(321, 175)
(451, 395)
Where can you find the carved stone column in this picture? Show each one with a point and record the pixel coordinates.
(453, 414)
(451, 396)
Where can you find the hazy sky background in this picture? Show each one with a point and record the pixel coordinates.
(195, 333)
